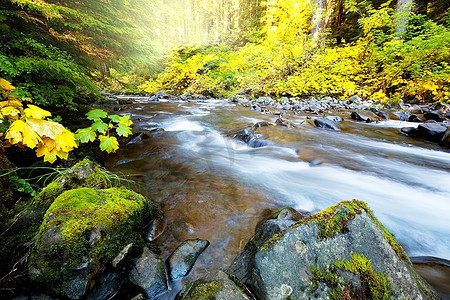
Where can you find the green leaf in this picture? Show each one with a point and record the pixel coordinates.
(85, 135)
(96, 114)
(108, 143)
(123, 130)
(100, 126)
(114, 118)
(125, 120)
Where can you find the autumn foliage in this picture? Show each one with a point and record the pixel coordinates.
(30, 127)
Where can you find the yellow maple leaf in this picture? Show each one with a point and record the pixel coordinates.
(5, 85)
(65, 142)
(10, 111)
(12, 103)
(36, 112)
(46, 128)
(21, 132)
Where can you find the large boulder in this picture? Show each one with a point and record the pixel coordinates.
(216, 285)
(83, 174)
(83, 231)
(343, 252)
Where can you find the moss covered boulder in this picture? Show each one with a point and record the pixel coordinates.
(343, 252)
(83, 231)
(83, 174)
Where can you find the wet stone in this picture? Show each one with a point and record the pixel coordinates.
(149, 274)
(431, 131)
(106, 287)
(216, 285)
(325, 123)
(181, 261)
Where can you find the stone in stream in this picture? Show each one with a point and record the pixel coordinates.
(149, 273)
(336, 119)
(433, 115)
(181, 261)
(215, 285)
(446, 138)
(414, 118)
(107, 286)
(409, 131)
(325, 123)
(364, 116)
(431, 131)
(342, 252)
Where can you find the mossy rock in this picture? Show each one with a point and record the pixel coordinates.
(215, 285)
(82, 232)
(83, 174)
(342, 252)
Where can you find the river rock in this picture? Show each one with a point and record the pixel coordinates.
(414, 118)
(216, 285)
(433, 115)
(325, 123)
(431, 131)
(284, 123)
(343, 252)
(447, 115)
(415, 109)
(336, 119)
(107, 286)
(288, 213)
(242, 264)
(364, 116)
(446, 138)
(181, 261)
(149, 274)
(380, 113)
(409, 131)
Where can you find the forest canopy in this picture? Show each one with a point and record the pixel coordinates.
(61, 52)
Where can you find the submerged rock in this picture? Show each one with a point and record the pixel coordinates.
(216, 285)
(83, 231)
(342, 252)
(181, 261)
(149, 274)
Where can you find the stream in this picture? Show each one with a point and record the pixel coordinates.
(213, 187)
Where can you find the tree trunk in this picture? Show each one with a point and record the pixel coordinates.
(318, 21)
(403, 10)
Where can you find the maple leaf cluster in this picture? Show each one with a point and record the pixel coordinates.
(31, 128)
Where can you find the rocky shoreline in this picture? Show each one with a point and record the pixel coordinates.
(432, 121)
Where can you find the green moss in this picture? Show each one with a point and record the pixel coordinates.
(46, 197)
(88, 225)
(331, 278)
(206, 290)
(376, 286)
(334, 220)
(83, 174)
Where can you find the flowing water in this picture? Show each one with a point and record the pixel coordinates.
(213, 187)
